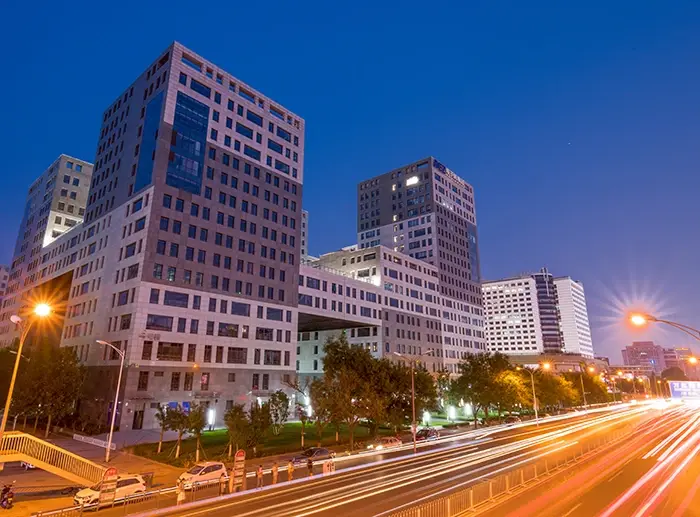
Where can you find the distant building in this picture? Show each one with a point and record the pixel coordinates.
(536, 314)
(304, 235)
(645, 354)
(4, 274)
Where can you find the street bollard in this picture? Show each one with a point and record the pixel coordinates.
(507, 483)
(471, 498)
(522, 476)
(490, 489)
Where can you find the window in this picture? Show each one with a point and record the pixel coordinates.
(175, 381)
(237, 355)
(147, 350)
(169, 351)
(155, 295)
(157, 322)
(252, 153)
(273, 357)
(189, 379)
(266, 381)
(200, 88)
(207, 354)
(254, 118)
(204, 382)
(232, 378)
(191, 352)
(143, 381)
(264, 334)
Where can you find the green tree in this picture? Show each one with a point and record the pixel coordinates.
(554, 391)
(674, 373)
(510, 391)
(162, 418)
(196, 422)
(259, 421)
(237, 424)
(596, 390)
(178, 421)
(478, 381)
(322, 406)
(62, 377)
(279, 410)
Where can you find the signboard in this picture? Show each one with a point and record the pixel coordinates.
(238, 469)
(687, 390)
(108, 487)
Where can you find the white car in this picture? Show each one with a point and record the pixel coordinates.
(127, 485)
(208, 471)
(385, 443)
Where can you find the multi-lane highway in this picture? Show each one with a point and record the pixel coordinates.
(655, 472)
(395, 482)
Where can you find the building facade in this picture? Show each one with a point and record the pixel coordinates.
(427, 212)
(537, 314)
(573, 313)
(646, 355)
(188, 256)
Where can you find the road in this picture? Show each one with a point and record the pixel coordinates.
(656, 472)
(394, 482)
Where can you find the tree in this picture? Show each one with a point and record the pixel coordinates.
(322, 406)
(596, 390)
(478, 382)
(196, 422)
(178, 421)
(554, 390)
(162, 418)
(259, 422)
(674, 373)
(237, 424)
(303, 417)
(279, 410)
(510, 391)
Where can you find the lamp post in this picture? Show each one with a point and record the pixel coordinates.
(116, 396)
(545, 366)
(413, 397)
(40, 311)
(590, 369)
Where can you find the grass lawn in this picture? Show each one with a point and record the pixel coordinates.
(215, 443)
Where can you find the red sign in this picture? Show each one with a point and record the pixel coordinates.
(238, 468)
(108, 487)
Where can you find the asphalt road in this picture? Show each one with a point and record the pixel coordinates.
(655, 472)
(396, 479)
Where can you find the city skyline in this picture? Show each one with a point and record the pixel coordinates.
(594, 231)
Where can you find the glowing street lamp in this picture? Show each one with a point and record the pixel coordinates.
(40, 311)
(547, 366)
(121, 354)
(639, 319)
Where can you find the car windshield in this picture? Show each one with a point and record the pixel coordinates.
(195, 470)
(308, 452)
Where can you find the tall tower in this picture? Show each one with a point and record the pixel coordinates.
(188, 258)
(427, 212)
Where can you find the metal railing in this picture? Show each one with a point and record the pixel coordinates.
(18, 446)
(491, 490)
(146, 501)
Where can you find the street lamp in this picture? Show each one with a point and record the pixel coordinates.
(641, 320)
(534, 394)
(413, 400)
(116, 396)
(40, 311)
(590, 369)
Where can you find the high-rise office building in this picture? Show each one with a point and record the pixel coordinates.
(55, 204)
(573, 313)
(537, 314)
(4, 278)
(427, 212)
(188, 257)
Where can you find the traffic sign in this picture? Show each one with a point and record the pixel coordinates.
(108, 487)
(238, 468)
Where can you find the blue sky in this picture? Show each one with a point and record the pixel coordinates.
(577, 125)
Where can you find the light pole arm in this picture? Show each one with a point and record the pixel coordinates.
(692, 332)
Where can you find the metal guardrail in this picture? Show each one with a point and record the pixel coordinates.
(49, 457)
(146, 501)
(489, 491)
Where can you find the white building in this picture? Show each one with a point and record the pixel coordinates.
(573, 315)
(512, 316)
(519, 310)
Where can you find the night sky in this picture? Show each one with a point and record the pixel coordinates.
(578, 126)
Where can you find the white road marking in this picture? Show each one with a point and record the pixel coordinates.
(572, 510)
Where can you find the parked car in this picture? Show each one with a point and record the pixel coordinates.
(315, 453)
(127, 485)
(385, 443)
(512, 419)
(207, 471)
(425, 435)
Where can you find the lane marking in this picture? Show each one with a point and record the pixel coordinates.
(572, 510)
(618, 473)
